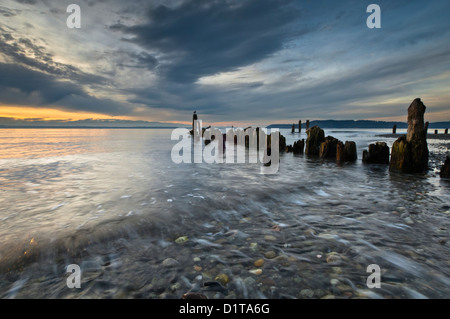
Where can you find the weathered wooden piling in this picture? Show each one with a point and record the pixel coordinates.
(298, 146)
(394, 129)
(446, 131)
(410, 152)
(445, 169)
(315, 137)
(300, 126)
(435, 131)
(378, 153)
(194, 118)
(293, 128)
(307, 124)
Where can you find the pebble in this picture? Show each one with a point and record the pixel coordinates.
(197, 268)
(337, 270)
(270, 254)
(256, 271)
(175, 286)
(333, 258)
(259, 262)
(408, 220)
(170, 262)
(276, 228)
(253, 246)
(308, 293)
(222, 278)
(334, 281)
(309, 232)
(268, 282)
(196, 259)
(343, 287)
(193, 295)
(181, 239)
(327, 236)
(270, 237)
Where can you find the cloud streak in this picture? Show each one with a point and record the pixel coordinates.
(204, 37)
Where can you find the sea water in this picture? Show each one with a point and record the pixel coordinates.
(140, 226)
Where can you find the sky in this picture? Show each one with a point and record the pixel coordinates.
(232, 61)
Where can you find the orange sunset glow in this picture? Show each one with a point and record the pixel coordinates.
(49, 114)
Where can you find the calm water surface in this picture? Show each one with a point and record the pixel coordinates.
(140, 226)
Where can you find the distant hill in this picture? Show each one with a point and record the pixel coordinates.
(357, 124)
(6, 122)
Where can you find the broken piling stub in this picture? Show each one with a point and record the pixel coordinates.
(445, 169)
(378, 153)
(410, 153)
(315, 137)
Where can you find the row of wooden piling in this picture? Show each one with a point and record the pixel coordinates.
(300, 126)
(394, 129)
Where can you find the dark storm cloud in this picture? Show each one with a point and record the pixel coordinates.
(22, 86)
(141, 60)
(27, 1)
(205, 37)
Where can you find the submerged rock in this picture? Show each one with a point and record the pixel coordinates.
(445, 169)
(410, 152)
(256, 271)
(170, 262)
(315, 137)
(223, 279)
(270, 254)
(378, 153)
(181, 240)
(259, 262)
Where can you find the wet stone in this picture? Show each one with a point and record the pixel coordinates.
(334, 281)
(249, 281)
(270, 254)
(169, 262)
(223, 279)
(270, 237)
(256, 271)
(259, 262)
(333, 258)
(181, 240)
(307, 293)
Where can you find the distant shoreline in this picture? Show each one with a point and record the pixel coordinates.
(89, 127)
(439, 136)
